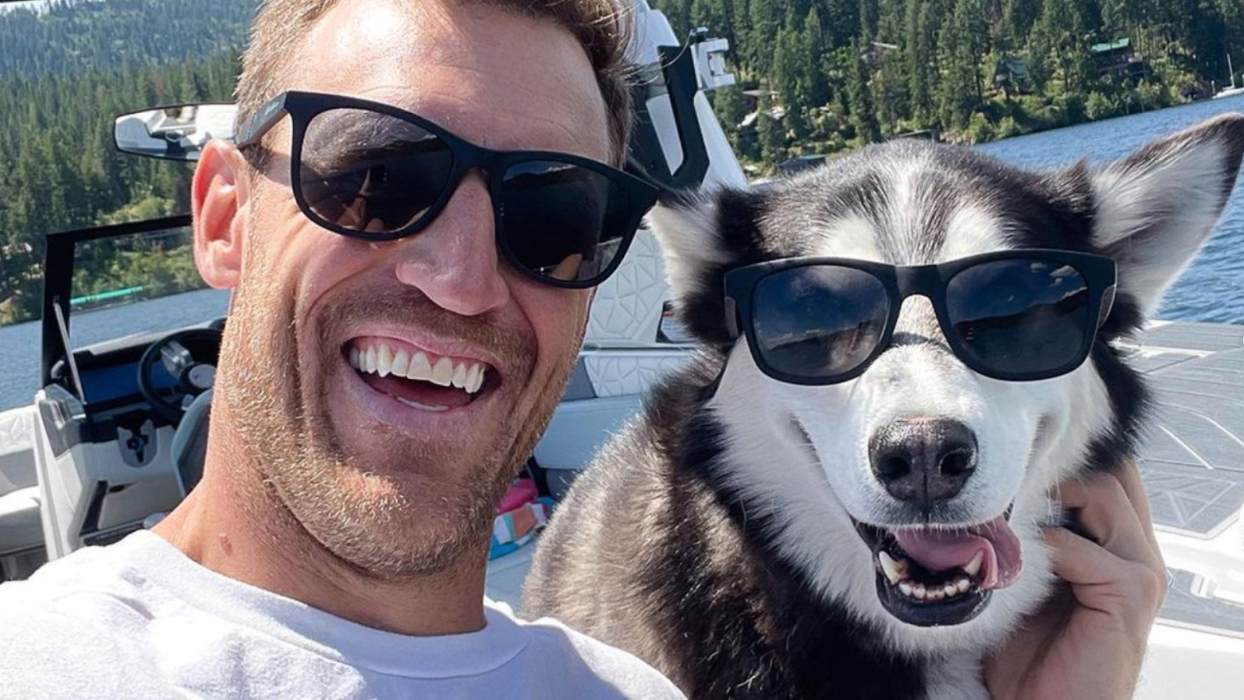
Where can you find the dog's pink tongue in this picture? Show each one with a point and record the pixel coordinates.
(939, 550)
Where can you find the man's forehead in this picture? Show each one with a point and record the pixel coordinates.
(492, 76)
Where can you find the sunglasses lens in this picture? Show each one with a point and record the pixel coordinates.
(563, 222)
(1021, 317)
(370, 172)
(818, 321)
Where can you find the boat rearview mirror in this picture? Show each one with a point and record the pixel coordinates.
(174, 133)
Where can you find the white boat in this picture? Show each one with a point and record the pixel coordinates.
(1232, 91)
(77, 470)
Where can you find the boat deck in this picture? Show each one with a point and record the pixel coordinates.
(1193, 461)
(1193, 467)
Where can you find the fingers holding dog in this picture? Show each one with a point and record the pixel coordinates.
(1107, 515)
(1119, 546)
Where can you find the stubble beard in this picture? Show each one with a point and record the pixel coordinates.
(293, 462)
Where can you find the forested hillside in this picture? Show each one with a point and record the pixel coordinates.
(73, 35)
(815, 77)
(65, 74)
(836, 73)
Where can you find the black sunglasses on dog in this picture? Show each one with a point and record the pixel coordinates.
(1018, 315)
(371, 171)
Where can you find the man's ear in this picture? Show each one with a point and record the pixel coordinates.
(220, 193)
(703, 236)
(1154, 209)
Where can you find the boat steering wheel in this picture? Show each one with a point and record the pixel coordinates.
(188, 356)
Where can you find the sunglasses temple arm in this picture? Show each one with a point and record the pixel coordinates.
(732, 318)
(1107, 303)
(258, 124)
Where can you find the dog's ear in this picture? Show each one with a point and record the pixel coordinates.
(1154, 209)
(703, 236)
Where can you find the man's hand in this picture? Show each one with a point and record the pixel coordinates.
(1090, 644)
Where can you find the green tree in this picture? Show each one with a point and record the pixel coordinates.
(1060, 46)
(771, 136)
(918, 53)
(813, 59)
(730, 110)
(960, 92)
(859, 96)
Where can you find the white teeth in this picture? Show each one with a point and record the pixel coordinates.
(384, 361)
(422, 406)
(401, 363)
(420, 368)
(893, 570)
(974, 567)
(443, 372)
(896, 570)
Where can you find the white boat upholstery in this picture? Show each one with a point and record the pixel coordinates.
(19, 492)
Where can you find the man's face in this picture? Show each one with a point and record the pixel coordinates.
(400, 477)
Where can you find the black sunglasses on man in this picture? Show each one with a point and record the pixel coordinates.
(375, 172)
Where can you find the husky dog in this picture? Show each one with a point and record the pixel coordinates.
(901, 354)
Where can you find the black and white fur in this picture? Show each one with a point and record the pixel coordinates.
(713, 536)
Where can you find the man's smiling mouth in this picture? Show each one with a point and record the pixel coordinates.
(417, 378)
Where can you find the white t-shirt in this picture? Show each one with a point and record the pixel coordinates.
(139, 619)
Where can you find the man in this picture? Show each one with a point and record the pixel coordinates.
(336, 544)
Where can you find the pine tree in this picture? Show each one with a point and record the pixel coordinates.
(859, 96)
(919, 57)
(960, 94)
(730, 110)
(814, 61)
(771, 136)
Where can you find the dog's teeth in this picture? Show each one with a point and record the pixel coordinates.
(919, 591)
(893, 570)
(951, 590)
(906, 588)
(936, 594)
(963, 585)
(974, 567)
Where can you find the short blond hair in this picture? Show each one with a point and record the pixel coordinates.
(602, 30)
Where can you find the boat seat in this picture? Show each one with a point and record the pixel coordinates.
(19, 521)
(190, 443)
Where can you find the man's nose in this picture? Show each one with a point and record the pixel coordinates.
(923, 461)
(454, 260)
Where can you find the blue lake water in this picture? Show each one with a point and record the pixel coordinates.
(1211, 290)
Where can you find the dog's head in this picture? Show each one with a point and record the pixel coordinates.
(916, 489)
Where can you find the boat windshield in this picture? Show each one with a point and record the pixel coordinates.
(139, 283)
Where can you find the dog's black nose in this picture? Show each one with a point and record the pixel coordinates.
(923, 461)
